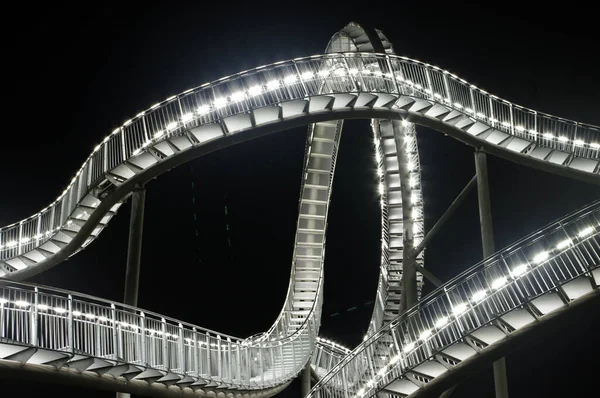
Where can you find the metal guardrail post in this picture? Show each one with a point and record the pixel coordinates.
(33, 319)
(248, 363)
(208, 356)
(260, 364)
(239, 362)
(113, 313)
(181, 350)
(487, 239)
(219, 364)
(196, 367)
(229, 358)
(143, 338)
(70, 336)
(165, 351)
(19, 248)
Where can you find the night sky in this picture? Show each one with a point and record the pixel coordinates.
(72, 75)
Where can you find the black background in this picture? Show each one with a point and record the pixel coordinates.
(72, 73)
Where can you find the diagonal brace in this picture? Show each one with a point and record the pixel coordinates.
(438, 225)
(447, 214)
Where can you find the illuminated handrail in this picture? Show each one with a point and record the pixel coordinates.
(507, 280)
(73, 323)
(285, 81)
(238, 94)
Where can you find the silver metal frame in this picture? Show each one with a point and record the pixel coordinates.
(56, 328)
(233, 105)
(488, 302)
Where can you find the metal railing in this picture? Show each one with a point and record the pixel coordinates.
(106, 330)
(76, 324)
(510, 279)
(286, 81)
(327, 354)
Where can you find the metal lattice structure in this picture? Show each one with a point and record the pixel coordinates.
(46, 328)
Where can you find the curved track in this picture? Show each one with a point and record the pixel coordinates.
(478, 316)
(126, 347)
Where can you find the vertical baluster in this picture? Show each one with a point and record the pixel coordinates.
(144, 339)
(98, 329)
(2, 326)
(105, 159)
(249, 361)
(181, 350)
(52, 214)
(447, 88)
(239, 362)
(512, 119)
(38, 229)
(429, 83)
(34, 319)
(165, 353)
(70, 336)
(124, 150)
(281, 360)
(113, 313)
(196, 368)
(19, 247)
(229, 359)
(208, 356)
(219, 364)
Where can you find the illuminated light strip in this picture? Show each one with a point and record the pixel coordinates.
(564, 139)
(292, 79)
(237, 96)
(563, 244)
(324, 73)
(478, 296)
(518, 270)
(540, 257)
(498, 283)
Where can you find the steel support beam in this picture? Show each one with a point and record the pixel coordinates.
(447, 214)
(485, 208)
(134, 251)
(487, 241)
(427, 274)
(438, 225)
(305, 389)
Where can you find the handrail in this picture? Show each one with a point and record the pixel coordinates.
(472, 299)
(250, 90)
(246, 90)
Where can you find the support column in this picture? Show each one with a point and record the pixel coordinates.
(487, 240)
(485, 209)
(305, 388)
(409, 273)
(134, 251)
